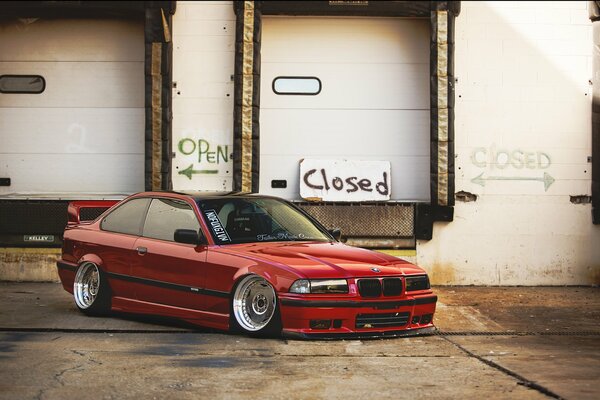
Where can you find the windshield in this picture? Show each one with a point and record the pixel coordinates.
(248, 220)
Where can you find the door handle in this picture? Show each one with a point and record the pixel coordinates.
(142, 250)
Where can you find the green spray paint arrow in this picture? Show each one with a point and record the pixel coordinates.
(547, 179)
(189, 171)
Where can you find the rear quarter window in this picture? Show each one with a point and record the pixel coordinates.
(127, 218)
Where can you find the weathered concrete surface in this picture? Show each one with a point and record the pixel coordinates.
(539, 309)
(138, 357)
(221, 366)
(48, 306)
(28, 264)
(568, 365)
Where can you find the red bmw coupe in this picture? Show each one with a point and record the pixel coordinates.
(248, 263)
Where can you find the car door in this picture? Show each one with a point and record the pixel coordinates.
(167, 272)
(115, 243)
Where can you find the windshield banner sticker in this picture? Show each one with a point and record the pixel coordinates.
(217, 226)
(279, 236)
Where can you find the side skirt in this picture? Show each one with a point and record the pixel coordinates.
(203, 318)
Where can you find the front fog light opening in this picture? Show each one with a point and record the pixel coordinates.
(426, 319)
(320, 323)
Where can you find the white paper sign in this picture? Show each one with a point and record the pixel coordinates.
(345, 180)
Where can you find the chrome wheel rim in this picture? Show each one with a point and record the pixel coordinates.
(86, 285)
(254, 303)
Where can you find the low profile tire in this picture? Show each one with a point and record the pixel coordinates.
(91, 290)
(255, 309)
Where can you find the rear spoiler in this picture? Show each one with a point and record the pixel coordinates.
(94, 208)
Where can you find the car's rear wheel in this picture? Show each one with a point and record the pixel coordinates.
(255, 309)
(91, 290)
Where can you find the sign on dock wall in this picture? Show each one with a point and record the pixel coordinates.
(345, 180)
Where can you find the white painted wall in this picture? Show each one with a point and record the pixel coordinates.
(84, 135)
(523, 113)
(203, 66)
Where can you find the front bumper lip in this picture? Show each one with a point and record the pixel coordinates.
(358, 304)
(360, 335)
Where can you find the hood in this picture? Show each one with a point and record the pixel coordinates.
(326, 260)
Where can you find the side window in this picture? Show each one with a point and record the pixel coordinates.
(127, 218)
(165, 216)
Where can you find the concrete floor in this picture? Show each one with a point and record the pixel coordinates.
(493, 342)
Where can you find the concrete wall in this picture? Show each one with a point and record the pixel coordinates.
(28, 264)
(523, 137)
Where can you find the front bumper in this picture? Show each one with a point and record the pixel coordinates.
(347, 316)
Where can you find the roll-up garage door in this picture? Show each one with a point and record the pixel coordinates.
(359, 90)
(82, 134)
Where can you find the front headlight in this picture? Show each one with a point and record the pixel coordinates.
(300, 286)
(320, 286)
(417, 283)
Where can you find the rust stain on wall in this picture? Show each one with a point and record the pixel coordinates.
(595, 275)
(442, 274)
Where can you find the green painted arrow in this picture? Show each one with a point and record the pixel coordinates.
(189, 171)
(547, 179)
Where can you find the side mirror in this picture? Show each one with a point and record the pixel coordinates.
(336, 233)
(187, 236)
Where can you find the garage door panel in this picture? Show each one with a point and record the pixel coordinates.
(374, 101)
(220, 121)
(409, 177)
(79, 84)
(60, 173)
(206, 90)
(84, 134)
(217, 182)
(212, 10)
(349, 132)
(353, 86)
(202, 105)
(345, 40)
(216, 44)
(189, 27)
(208, 67)
(68, 130)
(38, 40)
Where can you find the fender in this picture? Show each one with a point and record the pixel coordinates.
(93, 258)
(281, 280)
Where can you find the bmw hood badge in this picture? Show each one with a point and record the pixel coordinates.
(375, 269)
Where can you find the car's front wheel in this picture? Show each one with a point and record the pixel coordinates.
(91, 290)
(254, 307)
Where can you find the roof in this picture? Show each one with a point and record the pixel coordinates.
(204, 195)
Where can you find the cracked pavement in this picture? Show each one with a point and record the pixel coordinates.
(494, 342)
